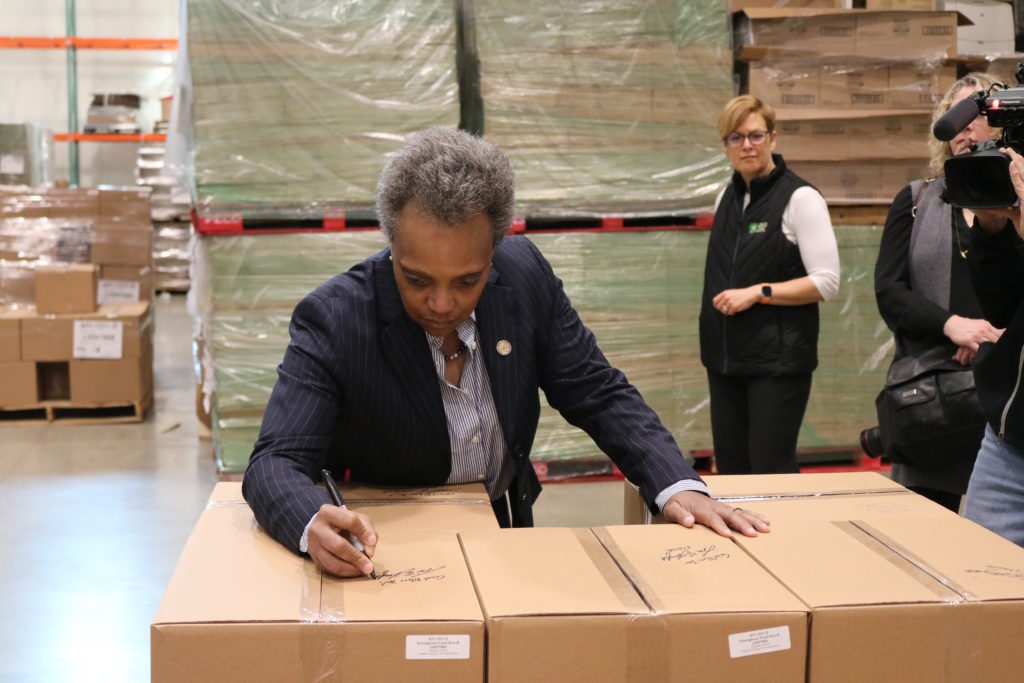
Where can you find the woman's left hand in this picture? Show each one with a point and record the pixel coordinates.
(733, 301)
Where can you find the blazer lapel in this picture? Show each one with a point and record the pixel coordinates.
(404, 344)
(497, 321)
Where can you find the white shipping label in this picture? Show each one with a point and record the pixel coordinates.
(103, 339)
(12, 164)
(117, 292)
(437, 647)
(759, 642)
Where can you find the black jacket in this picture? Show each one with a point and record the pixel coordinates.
(747, 247)
(997, 271)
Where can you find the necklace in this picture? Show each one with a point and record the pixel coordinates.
(456, 353)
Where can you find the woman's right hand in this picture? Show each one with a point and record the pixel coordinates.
(964, 356)
(970, 333)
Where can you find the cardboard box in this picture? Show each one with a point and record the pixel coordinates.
(914, 86)
(902, 599)
(125, 202)
(851, 85)
(865, 182)
(64, 288)
(279, 620)
(738, 5)
(559, 609)
(51, 337)
(721, 616)
(835, 491)
(111, 382)
(838, 134)
(10, 334)
(463, 507)
(904, 5)
(907, 35)
(122, 242)
(821, 31)
(124, 284)
(784, 84)
(18, 388)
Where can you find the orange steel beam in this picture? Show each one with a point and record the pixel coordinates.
(44, 43)
(110, 137)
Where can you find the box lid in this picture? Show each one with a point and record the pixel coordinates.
(549, 571)
(767, 13)
(975, 562)
(809, 114)
(862, 505)
(791, 485)
(832, 564)
(231, 571)
(692, 571)
(421, 577)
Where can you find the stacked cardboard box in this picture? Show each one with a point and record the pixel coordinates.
(170, 209)
(296, 106)
(854, 91)
(246, 288)
(75, 284)
(991, 32)
(617, 111)
(881, 599)
(109, 227)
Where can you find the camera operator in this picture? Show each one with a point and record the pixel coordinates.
(924, 294)
(995, 496)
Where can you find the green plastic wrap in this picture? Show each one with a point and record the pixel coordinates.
(607, 107)
(638, 292)
(297, 104)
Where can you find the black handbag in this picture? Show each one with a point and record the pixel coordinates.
(932, 419)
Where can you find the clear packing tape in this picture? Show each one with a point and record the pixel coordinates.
(26, 154)
(638, 292)
(296, 105)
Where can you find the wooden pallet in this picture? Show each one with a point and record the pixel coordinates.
(67, 412)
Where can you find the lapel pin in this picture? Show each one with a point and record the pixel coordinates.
(504, 347)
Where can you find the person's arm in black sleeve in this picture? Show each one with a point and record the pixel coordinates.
(902, 308)
(997, 272)
(297, 429)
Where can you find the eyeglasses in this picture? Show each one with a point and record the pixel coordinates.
(756, 138)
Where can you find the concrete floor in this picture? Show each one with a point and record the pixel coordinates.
(95, 517)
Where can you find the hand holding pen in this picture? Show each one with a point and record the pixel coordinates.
(342, 542)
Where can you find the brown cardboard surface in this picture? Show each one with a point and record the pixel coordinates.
(706, 593)
(460, 493)
(861, 181)
(785, 85)
(51, 337)
(553, 571)
(911, 5)
(834, 135)
(559, 609)
(853, 506)
(111, 381)
(66, 288)
(855, 86)
(803, 484)
(122, 242)
(18, 388)
(914, 85)
(907, 35)
(124, 201)
(819, 30)
(277, 619)
(427, 517)
(10, 334)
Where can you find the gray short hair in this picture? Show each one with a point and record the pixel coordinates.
(452, 175)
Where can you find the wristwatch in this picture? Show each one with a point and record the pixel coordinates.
(766, 294)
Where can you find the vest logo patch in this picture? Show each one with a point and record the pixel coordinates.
(756, 227)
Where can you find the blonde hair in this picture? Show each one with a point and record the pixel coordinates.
(939, 151)
(738, 109)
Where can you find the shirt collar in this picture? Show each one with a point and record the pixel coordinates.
(466, 331)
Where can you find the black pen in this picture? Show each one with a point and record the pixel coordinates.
(332, 489)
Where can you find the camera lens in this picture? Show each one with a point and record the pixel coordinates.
(871, 442)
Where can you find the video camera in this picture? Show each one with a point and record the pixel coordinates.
(980, 179)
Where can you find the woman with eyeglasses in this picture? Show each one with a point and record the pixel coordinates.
(772, 256)
(924, 293)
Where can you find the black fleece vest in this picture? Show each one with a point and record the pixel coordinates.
(749, 248)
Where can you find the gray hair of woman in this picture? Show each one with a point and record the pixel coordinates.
(939, 151)
(451, 175)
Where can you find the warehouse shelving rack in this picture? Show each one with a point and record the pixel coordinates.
(72, 43)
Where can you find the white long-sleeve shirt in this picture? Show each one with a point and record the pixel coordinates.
(806, 223)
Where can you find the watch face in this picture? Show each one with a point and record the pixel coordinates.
(766, 291)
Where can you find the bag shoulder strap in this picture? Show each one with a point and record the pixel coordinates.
(918, 189)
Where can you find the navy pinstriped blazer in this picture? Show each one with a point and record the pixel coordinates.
(358, 390)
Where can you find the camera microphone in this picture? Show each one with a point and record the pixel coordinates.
(956, 119)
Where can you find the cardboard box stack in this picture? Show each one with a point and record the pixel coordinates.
(75, 283)
(991, 31)
(882, 599)
(170, 210)
(854, 90)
